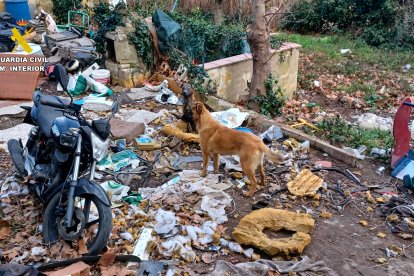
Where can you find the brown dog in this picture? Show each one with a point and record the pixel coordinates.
(218, 139)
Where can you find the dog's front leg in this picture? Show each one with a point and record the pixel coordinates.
(216, 162)
(206, 158)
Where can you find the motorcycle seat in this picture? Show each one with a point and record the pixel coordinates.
(45, 115)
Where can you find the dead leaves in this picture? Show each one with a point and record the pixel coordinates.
(5, 229)
(61, 250)
(115, 270)
(82, 249)
(208, 258)
(108, 258)
(109, 268)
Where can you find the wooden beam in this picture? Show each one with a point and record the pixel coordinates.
(338, 153)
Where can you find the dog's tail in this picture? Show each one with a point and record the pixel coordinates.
(274, 156)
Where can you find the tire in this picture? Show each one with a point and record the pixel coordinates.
(50, 230)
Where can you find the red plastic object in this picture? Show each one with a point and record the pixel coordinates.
(401, 132)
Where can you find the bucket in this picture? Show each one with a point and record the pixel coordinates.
(36, 50)
(102, 75)
(20, 11)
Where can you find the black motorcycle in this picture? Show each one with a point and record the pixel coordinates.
(60, 157)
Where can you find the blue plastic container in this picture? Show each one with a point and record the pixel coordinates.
(244, 129)
(19, 9)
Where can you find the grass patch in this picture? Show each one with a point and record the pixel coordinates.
(361, 52)
(339, 132)
(365, 89)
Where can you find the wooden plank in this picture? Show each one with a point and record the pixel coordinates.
(315, 142)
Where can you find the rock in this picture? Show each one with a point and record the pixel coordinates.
(125, 52)
(363, 223)
(113, 68)
(250, 230)
(305, 184)
(76, 269)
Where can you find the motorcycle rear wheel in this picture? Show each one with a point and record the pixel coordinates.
(52, 216)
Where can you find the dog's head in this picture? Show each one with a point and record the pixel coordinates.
(197, 110)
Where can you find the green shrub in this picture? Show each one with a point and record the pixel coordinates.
(107, 19)
(272, 103)
(203, 41)
(338, 131)
(62, 7)
(377, 22)
(142, 40)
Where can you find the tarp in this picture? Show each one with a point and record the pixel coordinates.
(166, 28)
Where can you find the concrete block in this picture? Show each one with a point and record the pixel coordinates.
(125, 78)
(218, 104)
(125, 52)
(113, 68)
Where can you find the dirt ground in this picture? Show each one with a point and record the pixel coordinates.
(341, 241)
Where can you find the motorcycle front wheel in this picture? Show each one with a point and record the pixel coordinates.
(92, 219)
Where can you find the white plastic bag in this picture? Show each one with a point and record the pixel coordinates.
(171, 98)
(214, 204)
(165, 221)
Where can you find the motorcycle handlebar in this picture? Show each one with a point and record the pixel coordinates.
(54, 104)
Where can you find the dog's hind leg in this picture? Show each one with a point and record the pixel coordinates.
(261, 171)
(216, 159)
(249, 165)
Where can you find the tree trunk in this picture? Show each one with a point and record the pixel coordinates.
(259, 41)
(218, 11)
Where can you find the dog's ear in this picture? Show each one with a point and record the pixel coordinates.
(199, 107)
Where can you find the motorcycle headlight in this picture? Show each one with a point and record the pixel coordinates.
(99, 147)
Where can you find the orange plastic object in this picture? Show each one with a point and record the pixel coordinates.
(18, 85)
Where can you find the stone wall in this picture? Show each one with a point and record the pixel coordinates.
(126, 67)
(232, 74)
